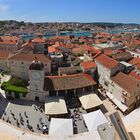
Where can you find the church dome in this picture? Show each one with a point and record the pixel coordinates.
(36, 65)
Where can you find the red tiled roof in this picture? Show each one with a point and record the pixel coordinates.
(88, 64)
(133, 43)
(97, 54)
(116, 37)
(105, 34)
(106, 61)
(13, 38)
(27, 44)
(59, 37)
(78, 49)
(122, 55)
(53, 83)
(94, 50)
(97, 41)
(30, 57)
(135, 61)
(4, 55)
(71, 46)
(85, 47)
(8, 40)
(52, 49)
(134, 74)
(38, 40)
(108, 51)
(126, 82)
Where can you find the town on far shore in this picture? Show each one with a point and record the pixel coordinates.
(70, 80)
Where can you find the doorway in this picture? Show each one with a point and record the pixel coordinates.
(17, 96)
(36, 98)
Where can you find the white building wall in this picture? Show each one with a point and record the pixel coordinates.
(36, 87)
(120, 94)
(113, 88)
(42, 95)
(21, 68)
(47, 68)
(116, 91)
(104, 74)
(36, 84)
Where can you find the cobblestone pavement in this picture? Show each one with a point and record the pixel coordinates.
(26, 117)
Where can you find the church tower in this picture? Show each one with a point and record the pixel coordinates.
(36, 76)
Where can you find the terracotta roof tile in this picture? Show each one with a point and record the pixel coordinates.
(78, 49)
(135, 75)
(88, 64)
(8, 40)
(59, 38)
(95, 50)
(53, 83)
(30, 57)
(5, 42)
(106, 61)
(27, 44)
(122, 55)
(38, 40)
(13, 38)
(126, 82)
(135, 61)
(108, 51)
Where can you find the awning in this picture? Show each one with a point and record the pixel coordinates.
(121, 106)
(61, 127)
(94, 119)
(55, 106)
(89, 100)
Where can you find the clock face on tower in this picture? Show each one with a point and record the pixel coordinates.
(35, 75)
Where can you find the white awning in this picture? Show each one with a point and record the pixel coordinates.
(61, 127)
(121, 106)
(55, 106)
(94, 119)
(89, 100)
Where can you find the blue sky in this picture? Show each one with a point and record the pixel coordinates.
(126, 11)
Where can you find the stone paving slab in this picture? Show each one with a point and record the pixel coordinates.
(15, 113)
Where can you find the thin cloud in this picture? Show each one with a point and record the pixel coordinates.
(3, 8)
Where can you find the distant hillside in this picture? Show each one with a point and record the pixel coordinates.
(10, 22)
(112, 25)
(21, 27)
(101, 24)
